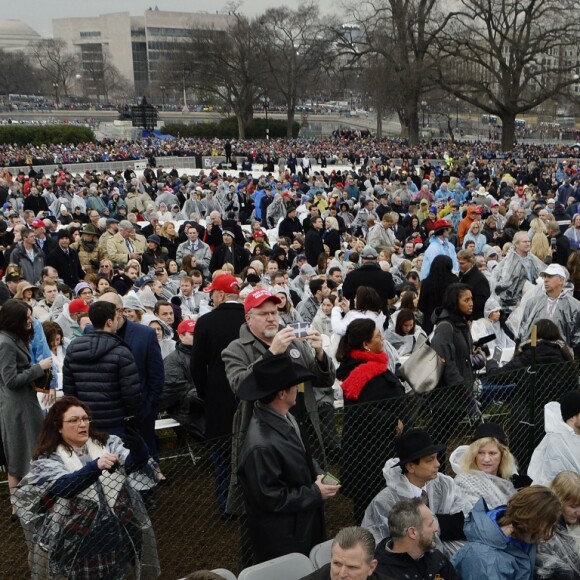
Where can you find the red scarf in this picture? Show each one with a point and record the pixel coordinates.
(375, 365)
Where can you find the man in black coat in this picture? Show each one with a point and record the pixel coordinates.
(561, 251)
(469, 274)
(100, 370)
(369, 274)
(411, 551)
(214, 331)
(66, 261)
(282, 485)
(230, 253)
(290, 225)
(313, 245)
(352, 553)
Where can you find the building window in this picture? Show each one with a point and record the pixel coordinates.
(90, 34)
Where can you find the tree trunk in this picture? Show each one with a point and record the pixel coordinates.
(291, 114)
(379, 122)
(241, 125)
(403, 121)
(508, 132)
(412, 123)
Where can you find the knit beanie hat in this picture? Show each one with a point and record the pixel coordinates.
(570, 404)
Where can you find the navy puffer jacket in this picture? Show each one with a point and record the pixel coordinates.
(99, 369)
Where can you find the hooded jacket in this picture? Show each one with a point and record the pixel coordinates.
(475, 484)
(558, 451)
(444, 500)
(99, 369)
(566, 316)
(488, 553)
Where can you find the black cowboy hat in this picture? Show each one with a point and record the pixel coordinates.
(270, 375)
(413, 445)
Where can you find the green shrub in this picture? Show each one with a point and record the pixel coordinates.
(228, 129)
(44, 134)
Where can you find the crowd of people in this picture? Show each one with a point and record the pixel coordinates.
(247, 305)
(344, 146)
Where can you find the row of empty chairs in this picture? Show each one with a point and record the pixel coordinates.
(288, 567)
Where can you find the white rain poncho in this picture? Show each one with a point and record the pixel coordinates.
(477, 484)
(444, 498)
(558, 451)
(511, 274)
(565, 315)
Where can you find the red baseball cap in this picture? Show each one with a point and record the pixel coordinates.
(257, 297)
(224, 282)
(77, 305)
(38, 224)
(186, 326)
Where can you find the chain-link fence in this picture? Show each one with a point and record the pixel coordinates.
(101, 525)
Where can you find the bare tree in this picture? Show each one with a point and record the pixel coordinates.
(294, 46)
(221, 63)
(101, 77)
(510, 56)
(57, 63)
(403, 32)
(17, 75)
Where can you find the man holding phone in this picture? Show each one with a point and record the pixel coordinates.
(282, 485)
(261, 337)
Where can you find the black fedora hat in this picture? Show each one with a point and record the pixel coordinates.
(413, 445)
(270, 375)
(490, 429)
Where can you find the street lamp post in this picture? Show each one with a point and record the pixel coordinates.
(55, 87)
(456, 112)
(162, 87)
(266, 104)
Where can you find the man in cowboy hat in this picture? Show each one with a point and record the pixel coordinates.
(282, 485)
(439, 244)
(415, 473)
(89, 252)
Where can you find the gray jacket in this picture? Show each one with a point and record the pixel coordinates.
(239, 358)
(202, 254)
(566, 316)
(31, 270)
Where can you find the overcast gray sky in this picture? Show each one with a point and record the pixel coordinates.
(39, 13)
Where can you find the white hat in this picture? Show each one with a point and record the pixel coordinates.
(555, 270)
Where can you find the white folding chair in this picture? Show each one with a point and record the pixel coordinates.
(225, 574)
(321, 554)
(288, 567)
(169, 423)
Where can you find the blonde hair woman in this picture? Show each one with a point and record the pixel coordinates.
(540, 247)
(169, 239)
(485, 467)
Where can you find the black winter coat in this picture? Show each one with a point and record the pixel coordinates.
(284, 507)
(452, 341)
(100, 370)
(288, 226)
(214, 331)
(368, 434)
(369, 275)
(313, 246)
(68, 266)
(431, 298)
(433, 564)
(479, 288)
(241, 258)
(179, 393)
